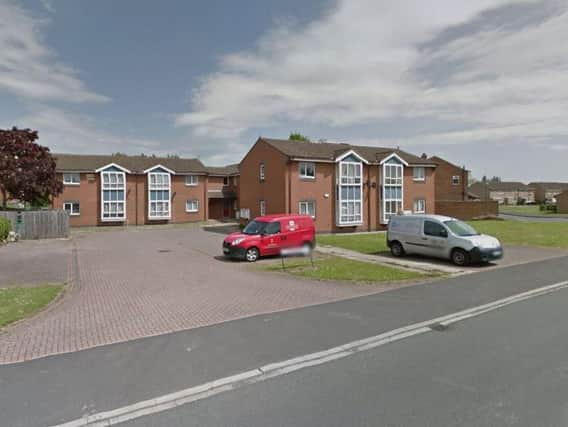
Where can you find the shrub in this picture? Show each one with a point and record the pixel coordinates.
(5, 228)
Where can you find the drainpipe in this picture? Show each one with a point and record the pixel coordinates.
(369, 198)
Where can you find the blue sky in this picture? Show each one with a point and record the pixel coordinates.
(481, 83)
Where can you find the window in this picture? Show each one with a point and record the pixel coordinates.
(72, 208)
(350, 193)
(392, 189)
(71, 178)
(456, 179)
(235, 181)
(262, 208)
(113, 190)
(419, 173)
(419, 206)
(272, 228)
(225, 181)
(307, 170)
(307, 207)
(235, 205)
(159, 188)
(192, 205)
(261, 174)
(191, 180)
(434, 229)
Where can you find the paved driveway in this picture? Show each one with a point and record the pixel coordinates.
(133, 284)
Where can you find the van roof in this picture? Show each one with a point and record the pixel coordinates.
(278, 217)
(440, 218)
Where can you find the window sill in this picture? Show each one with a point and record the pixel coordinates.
(191, 185)
(349, 224)
(159, 218)
(307, 178)
(418, 180)
(191, 211)
(69, 184)
(122, 219)
(74, 214)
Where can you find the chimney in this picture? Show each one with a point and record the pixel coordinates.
(424, 156)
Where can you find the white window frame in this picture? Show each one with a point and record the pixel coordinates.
(417, 208)
(162, 182)
(416, 176)
(262, 171)
(110, 186)
(189, 209)
(191, 180)
(305, 204)
(303, 169)
(71, 181)
(235, 180)
(392, 182)
(349, 180)
(262, 207)
(456, 181)
(71, 211)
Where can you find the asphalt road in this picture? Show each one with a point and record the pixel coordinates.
(53, 390)
(505, 368)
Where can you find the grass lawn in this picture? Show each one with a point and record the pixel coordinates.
(337, 268)
(17, 303)
(549, 234)
(532, 210)
(371, 243)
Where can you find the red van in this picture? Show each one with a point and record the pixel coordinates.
(268, 235)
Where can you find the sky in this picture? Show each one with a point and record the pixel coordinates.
(481, 83)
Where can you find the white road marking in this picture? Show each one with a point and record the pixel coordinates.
(203, 391)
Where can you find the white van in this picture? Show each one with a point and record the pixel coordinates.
(441, 237)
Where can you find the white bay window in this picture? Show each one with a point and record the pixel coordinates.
(393, 175)
(350, 191)
(113, 189)
(159, 190)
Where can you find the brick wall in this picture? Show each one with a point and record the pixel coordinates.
(562, 203)
(467, 209)
(446, 189)
(87, 193)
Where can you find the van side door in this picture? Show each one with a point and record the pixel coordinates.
(271, 239)
(434, 238)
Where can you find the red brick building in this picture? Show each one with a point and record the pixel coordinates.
(451, 181)
(344, 187)
(138, 190)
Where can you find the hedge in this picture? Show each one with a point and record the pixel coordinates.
(5, 228)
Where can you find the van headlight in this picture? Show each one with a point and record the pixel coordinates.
(237, 241)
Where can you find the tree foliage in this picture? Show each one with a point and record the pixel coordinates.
(27, 169)
(297, 136)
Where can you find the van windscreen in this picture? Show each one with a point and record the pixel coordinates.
(461, 228)
(255, 227)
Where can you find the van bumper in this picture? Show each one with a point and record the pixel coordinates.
(485, 255)
(233, 251)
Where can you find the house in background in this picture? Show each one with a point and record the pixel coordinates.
(451, 180)
(547, 191)
(504, 192)
(136, 190)
(344, 187)
(562, 202)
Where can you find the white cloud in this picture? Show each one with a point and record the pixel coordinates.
(28, 68)
(363, 63)
(69, 132)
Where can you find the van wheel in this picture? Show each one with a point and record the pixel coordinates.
(460, 257)
(396, 249)
(251, 254)
(307, 248)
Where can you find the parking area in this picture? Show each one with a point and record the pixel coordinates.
(134, 284)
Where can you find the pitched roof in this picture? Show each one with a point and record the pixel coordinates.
(439, 160)
(223, 170)
(551, 185)
(331, 151)
(500, 186)
(136, 164)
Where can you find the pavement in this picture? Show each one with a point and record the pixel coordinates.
(506, 368)
(37, 392)
(126, 285)
(35, 262)
(533, 218)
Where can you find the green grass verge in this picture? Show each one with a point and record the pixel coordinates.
(532, 210)
(371, 243)
(525, 233)
(337, 268)
(17, 303)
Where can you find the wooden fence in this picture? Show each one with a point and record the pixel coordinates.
(45, 224)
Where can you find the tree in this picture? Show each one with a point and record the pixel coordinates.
(297, 136)
(27, 169)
